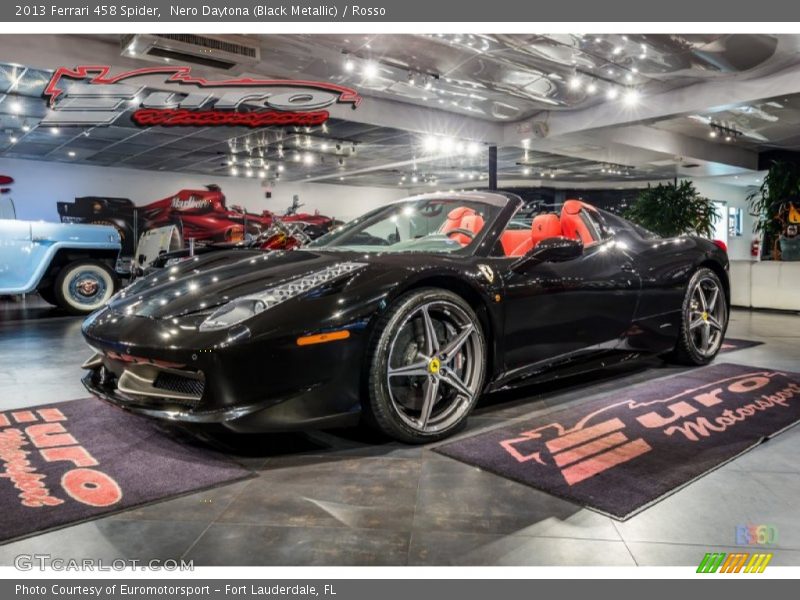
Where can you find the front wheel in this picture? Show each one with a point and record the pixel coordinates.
(704, 320)
(83, 286)
(428, 365)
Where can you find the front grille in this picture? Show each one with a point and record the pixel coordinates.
(172, 382)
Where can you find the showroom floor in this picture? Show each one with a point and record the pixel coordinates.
(349, 498)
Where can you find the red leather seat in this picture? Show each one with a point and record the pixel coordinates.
(462, 217)
(511, 239)
(543, 227)
(572, 224)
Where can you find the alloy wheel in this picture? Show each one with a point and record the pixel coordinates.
(435, 366)
(707, 315)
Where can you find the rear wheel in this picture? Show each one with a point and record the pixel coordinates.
(427, 368)
(84, 285)
(704, 321)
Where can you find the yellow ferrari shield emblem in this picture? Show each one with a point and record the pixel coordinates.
(434, 365)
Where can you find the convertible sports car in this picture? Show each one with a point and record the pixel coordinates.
(405, 317)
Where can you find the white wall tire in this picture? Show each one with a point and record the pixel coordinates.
(83, 286)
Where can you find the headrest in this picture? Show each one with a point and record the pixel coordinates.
(459, 213)
(573, 207)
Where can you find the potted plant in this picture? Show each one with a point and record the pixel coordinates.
(674, 209)
(771, 205)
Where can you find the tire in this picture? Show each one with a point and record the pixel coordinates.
(700, 318)
(48, 295)
(99, 284)
(440, 382)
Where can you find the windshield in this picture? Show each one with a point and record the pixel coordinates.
(421, 225)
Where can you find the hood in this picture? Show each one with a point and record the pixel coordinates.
(205, 282)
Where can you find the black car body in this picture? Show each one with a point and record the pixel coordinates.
(340, 320)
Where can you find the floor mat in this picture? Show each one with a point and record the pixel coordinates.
(732, 345)
(69, 462)
(621, 453)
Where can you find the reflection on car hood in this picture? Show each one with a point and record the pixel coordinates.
(208, 281)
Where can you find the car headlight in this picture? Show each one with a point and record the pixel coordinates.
(249, 306)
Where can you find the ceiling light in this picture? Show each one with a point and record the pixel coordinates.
(631, 97)
(297, 157)
(308, 158)
(473, 148)
(16, 107)
(612, 93)
(249, 173)
(414, 179)
(280, 168)
(617, 50)
(575, 83)
(12, 139)
(324, 146)
(55, 131)
(234, 171)
(349, 65)
(526, 171)
(591, 88)
(26, 128)
(71, 154)
(370, 70)
(262, 173)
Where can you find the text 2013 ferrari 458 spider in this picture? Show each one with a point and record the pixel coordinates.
(405, 316)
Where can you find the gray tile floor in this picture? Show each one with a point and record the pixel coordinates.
(348, 497)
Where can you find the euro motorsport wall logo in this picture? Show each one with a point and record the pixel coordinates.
(89, 96)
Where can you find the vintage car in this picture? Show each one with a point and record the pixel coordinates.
(405, 317)
(71, 265)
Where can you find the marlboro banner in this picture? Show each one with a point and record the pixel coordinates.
(623, 452)
(68, 462)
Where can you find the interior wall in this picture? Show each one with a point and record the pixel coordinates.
(38, 185)
(736, 196)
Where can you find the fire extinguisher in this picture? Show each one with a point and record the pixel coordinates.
(755, 248)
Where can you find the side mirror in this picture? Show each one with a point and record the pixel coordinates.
(555, 249)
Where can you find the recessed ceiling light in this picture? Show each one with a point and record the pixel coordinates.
(612, 93)
(370, 70)
(16, 107)
(591, 88)
(12, 139)
(55, 131)
(234, 171)
(280, 168)
(71, 154)
(631, 97)
(349, 65)
(26, 128)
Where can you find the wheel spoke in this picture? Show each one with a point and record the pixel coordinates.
(456, 383)
(431, 391)
(696, 323)
(712, 303)
(712, 321)
(456, 343)
(418, 368)
(705, 334)
(702, 297)
(431, 341)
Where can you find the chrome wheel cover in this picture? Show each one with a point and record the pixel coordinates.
(435, 366)
(87, 288)
(706, 316)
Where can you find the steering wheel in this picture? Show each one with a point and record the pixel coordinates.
(466, 232)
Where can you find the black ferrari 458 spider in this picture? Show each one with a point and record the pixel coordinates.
(405, 317)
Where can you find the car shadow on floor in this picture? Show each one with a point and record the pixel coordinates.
(493, 410)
